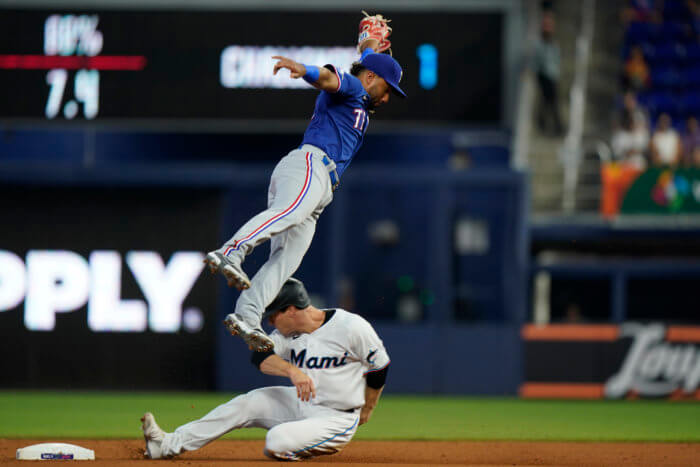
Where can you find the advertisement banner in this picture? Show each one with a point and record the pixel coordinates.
(632, 360)
(664, 191)
(615, 180)
(105, 289)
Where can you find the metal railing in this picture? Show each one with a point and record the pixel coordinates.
(571, 151)
(526, 91)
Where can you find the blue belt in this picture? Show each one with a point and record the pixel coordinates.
(330, 165)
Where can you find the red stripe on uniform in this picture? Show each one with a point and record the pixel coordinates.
(337, 75)
(303, 189)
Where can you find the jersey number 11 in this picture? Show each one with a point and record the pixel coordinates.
(359, 119)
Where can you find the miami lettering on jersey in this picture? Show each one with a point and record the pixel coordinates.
(338, 356)
(317, 362)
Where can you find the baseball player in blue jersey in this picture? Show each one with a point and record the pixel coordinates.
(303, 181)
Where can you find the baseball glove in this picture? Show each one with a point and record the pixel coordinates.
(375, 27)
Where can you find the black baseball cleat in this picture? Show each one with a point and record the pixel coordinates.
(235, 277)
(256, 338)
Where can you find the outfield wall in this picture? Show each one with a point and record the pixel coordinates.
(430, 359)
(631, 360)
(106, 289)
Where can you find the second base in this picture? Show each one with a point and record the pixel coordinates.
(54, 451)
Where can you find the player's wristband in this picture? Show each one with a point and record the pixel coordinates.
(366, 52)
(312, 74)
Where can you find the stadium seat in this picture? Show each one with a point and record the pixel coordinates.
(642, 99)
(692, 77)
(649, 52)
(691, 103)
(641, 32)
(666, 77)
(672, 30)
(671, 52)
(692, 53)
(674, 10)
(659, 102)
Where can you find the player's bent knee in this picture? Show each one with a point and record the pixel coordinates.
(277, 440)
(280, 445)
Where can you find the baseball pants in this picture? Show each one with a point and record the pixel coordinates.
(297, 429)
(300, 188)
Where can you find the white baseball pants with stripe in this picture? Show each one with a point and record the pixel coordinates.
(300, 188)
(297, 429)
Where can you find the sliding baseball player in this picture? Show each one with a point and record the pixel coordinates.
(337, 365)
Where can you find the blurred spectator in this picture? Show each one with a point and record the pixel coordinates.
(459, 160)
(631, 140)
(547, 66)
(691, 141)
(666, 146)
(630, 105)
(696, 157)
(573, 314)
(636, 71)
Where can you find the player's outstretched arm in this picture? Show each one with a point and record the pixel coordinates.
(318, 77)
(276, 366)
(369, 45)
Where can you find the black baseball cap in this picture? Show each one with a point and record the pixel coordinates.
(292, 292)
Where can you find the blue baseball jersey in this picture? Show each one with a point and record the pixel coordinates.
(340, 120)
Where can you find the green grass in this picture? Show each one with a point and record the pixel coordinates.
(116, 415)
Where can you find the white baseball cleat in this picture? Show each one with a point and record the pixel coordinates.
(153, 435)
(256, 338)
(235, 277)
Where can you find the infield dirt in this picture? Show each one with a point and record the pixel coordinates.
(391, 453)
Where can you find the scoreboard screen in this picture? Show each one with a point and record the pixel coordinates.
(83, 65)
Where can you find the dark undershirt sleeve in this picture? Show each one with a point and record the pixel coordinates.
(376, 379)
(258, 357)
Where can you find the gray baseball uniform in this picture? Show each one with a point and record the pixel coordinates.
(300, 188)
